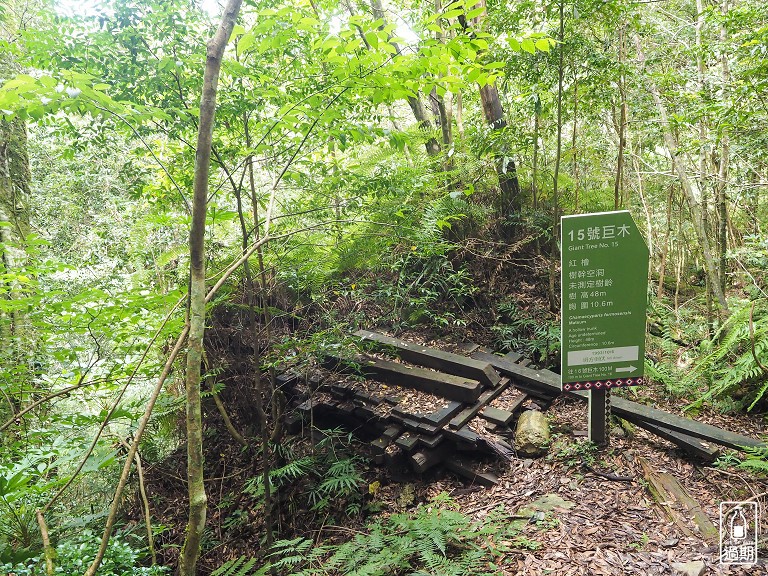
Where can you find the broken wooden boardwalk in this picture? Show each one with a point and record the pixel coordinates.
(462, 390)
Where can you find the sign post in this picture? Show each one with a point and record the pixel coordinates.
(604, 284)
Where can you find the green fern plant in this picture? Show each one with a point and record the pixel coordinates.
(735, 358)
(756, 460)
(241, 566)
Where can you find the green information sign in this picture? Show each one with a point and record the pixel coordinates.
(604, 283)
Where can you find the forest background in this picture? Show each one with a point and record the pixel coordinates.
(403, 164)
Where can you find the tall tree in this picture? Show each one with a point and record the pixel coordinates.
(198, 502)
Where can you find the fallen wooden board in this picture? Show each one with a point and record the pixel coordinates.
(463, 417)
(677, 503)
(695, 446)
(497, 416)
(423, 460)
(407, 442)
(459, 468)
(546, 381)
(445, 385)
(438, 419)
(439, 360)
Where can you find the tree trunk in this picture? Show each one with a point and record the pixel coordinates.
(554, 249)
(417, 106)
(574, 156)
(459, 115)
(665, 248)
(694, 203)
(617, 196)
(198, 501)
(722, 173)
(511, 200)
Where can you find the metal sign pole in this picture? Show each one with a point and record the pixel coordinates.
(599, 417)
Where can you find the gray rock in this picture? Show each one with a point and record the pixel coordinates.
(694, 568)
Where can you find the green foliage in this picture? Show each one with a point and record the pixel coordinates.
(240, 566)
(75, 552)
(434, 539)
(734, 358)
(575, 454)
(328, 481)
(756, 460)
(537, 338)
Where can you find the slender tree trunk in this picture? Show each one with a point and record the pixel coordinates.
(694, 202)
(703, 178)
(617, 196)
(555, 189)
(459, 115)
(665, 248)
(511, 198)
(535, 159)
(574, 155)
(444, 108)
(198, 500)
(722, 173)
(16, 338)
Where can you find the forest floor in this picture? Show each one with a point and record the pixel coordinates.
(600, 526)
(589, 524)
(594, 525)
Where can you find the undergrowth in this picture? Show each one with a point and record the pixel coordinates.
(434, 539)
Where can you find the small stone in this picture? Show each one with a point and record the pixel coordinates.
(670, 543)
(694, 568)
(618, 432)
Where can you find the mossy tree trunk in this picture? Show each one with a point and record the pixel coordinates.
(198, 501)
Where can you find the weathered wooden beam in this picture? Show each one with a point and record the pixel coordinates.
(423, 460)
(445, 385)
(441, 417)
(438, 359)
(545, 381)
(464, 436)
(459, 468)
(694, 446)
(497, 416)
(463, 417)
(677, 503)
(407, 442)
(430, 441)
(639, 413)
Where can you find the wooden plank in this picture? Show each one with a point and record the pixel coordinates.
(430, 441)
(677, 503)
(548, 382)
(637, 413)
(439, 360)
(423, 460)
(463, 417)
(512, 356)
(463, 436)
(392, 432)
(694, 446)
(459, 468)
(497, 416)
(379, 445)
(445, 385)
(407, 442)
(443, 416)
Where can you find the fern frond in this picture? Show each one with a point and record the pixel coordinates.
(241, 566)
